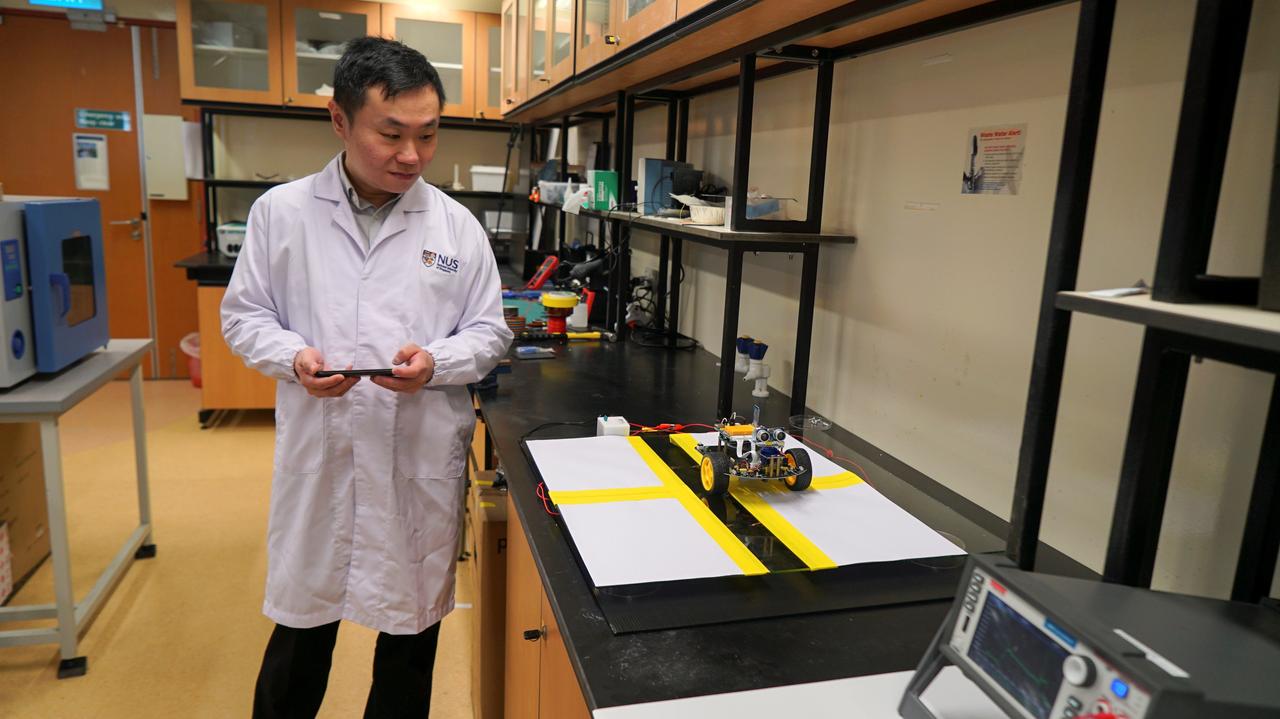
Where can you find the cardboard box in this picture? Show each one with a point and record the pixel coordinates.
(489, 614)
(6, 565)
(22, 499)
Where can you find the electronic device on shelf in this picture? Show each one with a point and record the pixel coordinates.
(1049, 647)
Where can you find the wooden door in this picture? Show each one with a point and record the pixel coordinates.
(314, 33)
(524, 613)
(488, 66)
(447, 38)
(638, 19)
(229, 50)
(89, 70)
(562, 40)
(559, 694)
(596, 20)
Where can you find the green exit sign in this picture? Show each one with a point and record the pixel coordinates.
(102, 119)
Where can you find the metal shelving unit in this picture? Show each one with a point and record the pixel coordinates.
(209, 111)
(1178, 324)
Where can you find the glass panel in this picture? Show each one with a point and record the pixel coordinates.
(77, 263)
(495, 67)
(230, 44)
(561, 42)
(321, 38)
(441, 42)
(538, 46)
(635, 7)
(595, 21)
(522, 32)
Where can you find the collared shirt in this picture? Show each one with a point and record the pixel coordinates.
(368, 217)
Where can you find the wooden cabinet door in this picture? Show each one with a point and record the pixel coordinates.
(539, 47)
(227, 382)
(489, 58)
(315, 35)
(563, 41)
(638, 19)
(685, 7)
(596, 20)
(229, 50)
(513, 41)
(447, 38)
(559, 694)
(524, 613)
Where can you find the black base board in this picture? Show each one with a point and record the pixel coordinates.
(716, 600)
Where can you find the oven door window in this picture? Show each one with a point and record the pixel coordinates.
(77, 297)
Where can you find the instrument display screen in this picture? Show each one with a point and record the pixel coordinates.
(1018, 656)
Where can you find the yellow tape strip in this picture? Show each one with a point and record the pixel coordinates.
(688, 444)
(800, 545)
(836, 481)
(595, 496)
(740, 555)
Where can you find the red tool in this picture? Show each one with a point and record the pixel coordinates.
(543, 274)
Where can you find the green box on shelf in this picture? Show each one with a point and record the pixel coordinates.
(604, 189)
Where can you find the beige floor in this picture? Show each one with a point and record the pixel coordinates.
(183, 634)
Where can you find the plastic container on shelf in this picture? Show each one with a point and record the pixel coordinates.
(486, 178)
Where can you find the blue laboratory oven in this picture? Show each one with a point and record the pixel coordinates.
(54, 307)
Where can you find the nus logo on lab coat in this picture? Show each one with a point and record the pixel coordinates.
(444, 263)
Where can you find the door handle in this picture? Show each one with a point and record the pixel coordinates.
(533, 635)
(134, 222)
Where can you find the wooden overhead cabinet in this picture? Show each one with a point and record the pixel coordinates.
(315, 35)
(447, 38)
(515, 60)
(489, 31)
(539, 42)
(229, 50)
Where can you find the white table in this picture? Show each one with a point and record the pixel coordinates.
(951, 696)
(44, 399)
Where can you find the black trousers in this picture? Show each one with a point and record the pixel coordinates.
(295, 671)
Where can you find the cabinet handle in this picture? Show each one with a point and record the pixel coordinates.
(510, 101)
(533, 635)
(612, 40)
(288, 101)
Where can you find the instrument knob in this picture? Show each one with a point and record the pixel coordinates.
(1078, 670)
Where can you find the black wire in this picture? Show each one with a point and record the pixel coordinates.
(545, 425)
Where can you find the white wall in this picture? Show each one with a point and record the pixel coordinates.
(924, 329)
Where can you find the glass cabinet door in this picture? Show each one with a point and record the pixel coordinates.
(595, 21)
(539, 40)
(489, 61)
(512, 63)
(638, 19)
(229, 50)
(447, 38)
(562, 41)
(315, 35)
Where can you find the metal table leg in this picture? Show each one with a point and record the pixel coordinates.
(148, 548)
(71, 665)
(804, 329)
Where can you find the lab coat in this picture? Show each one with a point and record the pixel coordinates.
(366, 487)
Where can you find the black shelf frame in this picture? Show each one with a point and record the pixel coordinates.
(209, 111)
(784, 44)
(1213, 76)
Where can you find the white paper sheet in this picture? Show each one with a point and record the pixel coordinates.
(643, 541)
(853, 525)
(856, 525)
(591, 463)
(951, 696)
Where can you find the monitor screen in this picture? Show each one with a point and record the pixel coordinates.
(70, 4)
(1018, 656)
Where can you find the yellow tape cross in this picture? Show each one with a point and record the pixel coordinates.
(751, 500)
(737, 552)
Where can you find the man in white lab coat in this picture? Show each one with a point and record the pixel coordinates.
(364, 265)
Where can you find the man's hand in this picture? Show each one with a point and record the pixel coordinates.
(309, 361)
(413, 368)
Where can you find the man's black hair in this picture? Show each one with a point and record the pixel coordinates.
(378, 62)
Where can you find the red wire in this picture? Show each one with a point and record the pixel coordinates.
(832, 455)
(542, 494)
